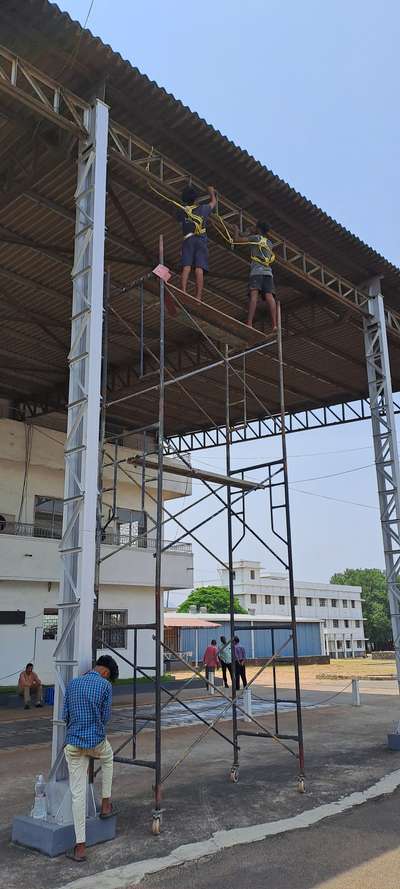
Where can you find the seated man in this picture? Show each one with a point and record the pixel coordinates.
(87, 709)
(28, 683)
(193, 218)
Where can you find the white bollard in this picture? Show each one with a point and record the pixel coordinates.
(247, 704)
(211, 677)
(355, 693)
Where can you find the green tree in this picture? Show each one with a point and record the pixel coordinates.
(214, 598)
(372, 581)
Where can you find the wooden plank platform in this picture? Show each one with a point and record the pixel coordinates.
(201, 474)
(217, 324)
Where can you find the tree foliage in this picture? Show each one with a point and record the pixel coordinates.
(372, 581)
(214, 598)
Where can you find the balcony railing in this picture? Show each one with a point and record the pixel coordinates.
(110, 538)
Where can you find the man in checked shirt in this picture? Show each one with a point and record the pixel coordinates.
(87, 709)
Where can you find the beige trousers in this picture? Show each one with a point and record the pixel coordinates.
(27, 690)
(78, 763)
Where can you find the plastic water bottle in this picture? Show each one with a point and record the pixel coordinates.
(39, 810)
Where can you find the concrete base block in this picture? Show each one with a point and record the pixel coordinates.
(394, 741)
(54, 839)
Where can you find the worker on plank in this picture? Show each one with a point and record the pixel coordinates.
(193, 216)
(261, 281)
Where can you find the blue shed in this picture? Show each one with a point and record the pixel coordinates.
(255, 635)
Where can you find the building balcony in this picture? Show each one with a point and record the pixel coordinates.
(31, 552)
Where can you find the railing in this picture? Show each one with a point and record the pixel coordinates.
(110, 538)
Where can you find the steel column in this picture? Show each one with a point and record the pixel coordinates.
(73, 652)
(386, 450)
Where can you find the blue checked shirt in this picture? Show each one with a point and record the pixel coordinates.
(87, 709)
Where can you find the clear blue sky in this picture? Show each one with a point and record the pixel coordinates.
(311, 90)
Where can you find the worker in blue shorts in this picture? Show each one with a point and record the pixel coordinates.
(261, 280)
(193, 218)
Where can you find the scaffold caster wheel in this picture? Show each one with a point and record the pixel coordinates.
(234, 775)
(301, 787)
(156, 825)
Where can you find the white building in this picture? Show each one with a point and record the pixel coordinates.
(339, 608)
(31, 492)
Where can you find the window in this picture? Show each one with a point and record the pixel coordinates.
(267, 600)
(131, 527)
(344, 603)
(348, 643)
(359, 643)
(334, 603)
(357, 623)
(281, 600)
(12, 617)
(253, 599)
(322, 603)
(346, 623)
(114, 635)
(48, 516)
(335, 623)
(339, 644)
(50, 623)
(308, 600)
(252, 575)
(353, 604)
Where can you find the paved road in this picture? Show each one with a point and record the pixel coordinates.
(25, 732)
(358, 850)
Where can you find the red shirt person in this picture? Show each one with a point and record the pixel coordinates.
(211, 659)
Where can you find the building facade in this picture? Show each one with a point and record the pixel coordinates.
(337, 607)
(31, 506)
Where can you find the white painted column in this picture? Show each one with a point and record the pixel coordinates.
(73, 653)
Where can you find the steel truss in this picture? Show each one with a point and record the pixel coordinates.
(230, 491)
(386, 451)
(73, 651)
(298, 421)
(46, 97)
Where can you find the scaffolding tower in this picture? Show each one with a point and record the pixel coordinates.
(230, 492)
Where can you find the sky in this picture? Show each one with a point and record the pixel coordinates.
(311, 90)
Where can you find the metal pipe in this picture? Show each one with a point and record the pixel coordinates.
(289, 550)
(274, 682)
(157, 786)
(230, 565)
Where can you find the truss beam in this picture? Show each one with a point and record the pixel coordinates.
(295, 421)
(41, 94)
(157, 168)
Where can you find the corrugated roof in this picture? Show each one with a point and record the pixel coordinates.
(323, 345)
(59, 46)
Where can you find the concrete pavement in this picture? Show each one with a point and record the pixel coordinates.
(345, 751)
(357, 850)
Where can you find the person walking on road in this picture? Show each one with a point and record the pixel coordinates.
(87, 709)
(240, 664)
